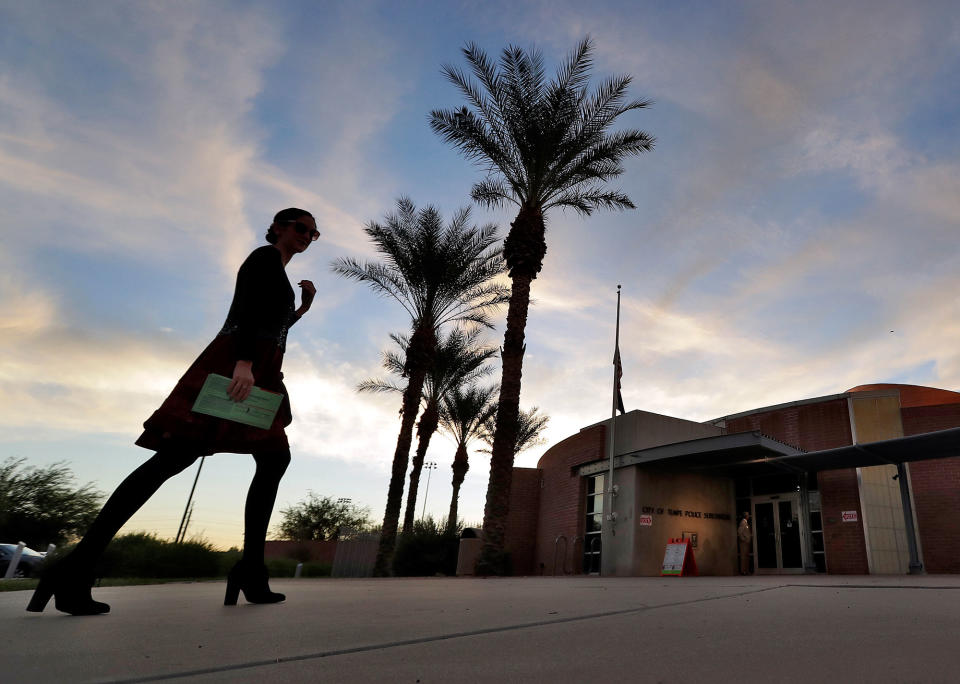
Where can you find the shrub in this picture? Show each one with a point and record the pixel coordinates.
(145, 555)
(42, 505)
(142, 555)
(428, 549)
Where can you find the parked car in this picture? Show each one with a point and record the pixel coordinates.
(30, 561)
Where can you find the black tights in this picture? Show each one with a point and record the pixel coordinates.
(143, 483)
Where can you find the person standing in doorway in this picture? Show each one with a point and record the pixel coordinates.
(249, 350)
(745, 539)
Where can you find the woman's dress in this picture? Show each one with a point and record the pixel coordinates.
(255, 330)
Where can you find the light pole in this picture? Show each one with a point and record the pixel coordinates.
(430, 466)
(344, 501)
(185, 520)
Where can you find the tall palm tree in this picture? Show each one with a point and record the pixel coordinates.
(438, 274)
(463, 413)
(459, 360)
(544, 145)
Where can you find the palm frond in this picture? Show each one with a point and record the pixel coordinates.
(544, 144)
(440, 273)
(375, 385)
(463, 411)
(492, 192)
(584, 202)
(382, 279)
(529, 426)
(460, 359)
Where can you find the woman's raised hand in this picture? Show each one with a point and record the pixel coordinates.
(307, 293)
(239, 388)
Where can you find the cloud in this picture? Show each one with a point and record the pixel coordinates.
(143, 166)
(331, 420)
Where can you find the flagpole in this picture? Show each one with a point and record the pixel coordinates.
(611, 447)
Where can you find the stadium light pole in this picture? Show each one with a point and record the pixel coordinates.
(430, 466)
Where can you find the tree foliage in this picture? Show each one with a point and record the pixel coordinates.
(439, 274)
(322, 518)
(462, 414)
(544, 144)
(529, 426)
(460, 359)
(429, 549)
(42, 505)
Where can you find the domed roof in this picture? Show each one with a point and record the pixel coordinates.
(914, 395)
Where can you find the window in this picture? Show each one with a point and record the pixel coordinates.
(816, 530)
(593, 524)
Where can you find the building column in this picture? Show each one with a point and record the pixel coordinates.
(916, 567)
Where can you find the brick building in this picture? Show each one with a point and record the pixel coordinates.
(825, 481)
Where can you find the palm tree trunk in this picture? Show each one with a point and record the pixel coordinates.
(418, 354)
(505, 437)
(460, 467)
(523, 251)
(425, 430)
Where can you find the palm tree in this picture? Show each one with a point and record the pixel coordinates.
(529, 426)
(543, 145)
(459, 360)
(463, 413)
(438, 275)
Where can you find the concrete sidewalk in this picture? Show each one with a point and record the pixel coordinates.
(572, 629)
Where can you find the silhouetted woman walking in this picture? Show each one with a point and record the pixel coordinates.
(249, 349)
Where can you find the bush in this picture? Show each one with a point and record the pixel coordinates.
(146, 555)
(428, 549)
(142, 555)
(42, 505)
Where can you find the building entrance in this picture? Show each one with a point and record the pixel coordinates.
(778, 529)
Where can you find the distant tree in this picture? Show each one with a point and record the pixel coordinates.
(463, 414)
(322, 518)
(543, 144)
(459, 360)
(41, 505)
(438, 274)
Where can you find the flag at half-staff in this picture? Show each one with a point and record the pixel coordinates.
(610, 515)
(618, 373)
(617, 367)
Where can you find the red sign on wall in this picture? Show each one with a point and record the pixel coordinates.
(848, 516)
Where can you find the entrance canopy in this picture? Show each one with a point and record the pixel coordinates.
(751, 454)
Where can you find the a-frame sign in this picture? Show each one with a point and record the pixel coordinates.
(678, 559)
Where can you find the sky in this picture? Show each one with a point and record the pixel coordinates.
(795, 232)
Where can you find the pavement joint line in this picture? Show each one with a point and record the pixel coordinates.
(429, 639)
(873, 586)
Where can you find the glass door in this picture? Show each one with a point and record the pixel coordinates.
(778, 530)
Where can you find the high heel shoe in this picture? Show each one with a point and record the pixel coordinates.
(252, 580)
(70, 591)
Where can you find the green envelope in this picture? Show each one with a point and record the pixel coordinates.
(258, 410)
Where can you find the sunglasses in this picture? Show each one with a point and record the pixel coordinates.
(303, 228)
